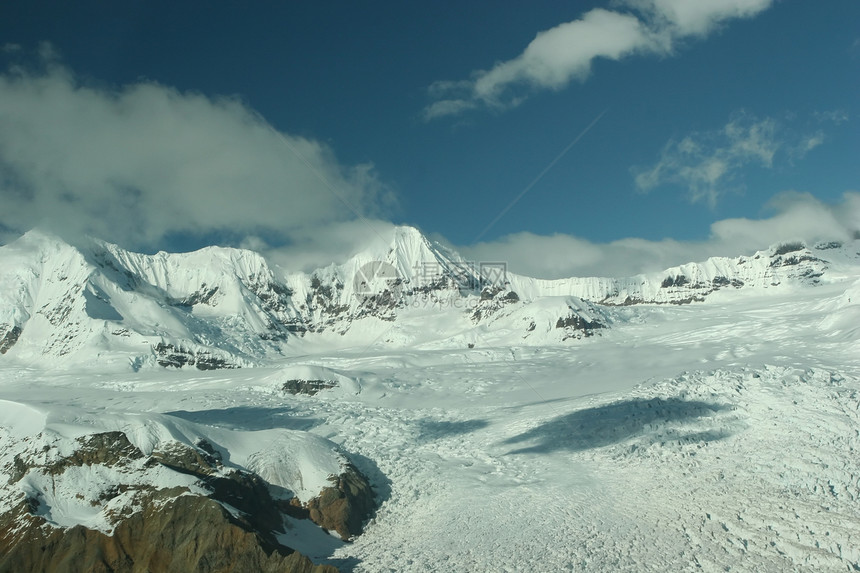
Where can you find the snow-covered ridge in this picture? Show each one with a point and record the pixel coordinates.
(116, 475)
(224, 308)
(782, 264)
(719, 434)
(297, 461)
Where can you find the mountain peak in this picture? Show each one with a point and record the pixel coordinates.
(404, 248)
(407, 233)
(225, 307)
(37, 239)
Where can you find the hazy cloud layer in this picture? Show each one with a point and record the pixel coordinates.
(796, 216)
(706, 164)
(565, 53)
(333, 243)
(139, 163)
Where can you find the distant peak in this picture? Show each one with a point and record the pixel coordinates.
(408, 233)
(39, 239)
(39, 234)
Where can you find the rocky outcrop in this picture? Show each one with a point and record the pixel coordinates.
(492, 299)
(172, 533)
(345, 506)
(245, 491)
(212, 518)
(9, 334)
(204, 295)
(106, 448)
(575, 325)
(177, 357)
(308, 387)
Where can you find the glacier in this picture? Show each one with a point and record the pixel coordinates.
(705, 417)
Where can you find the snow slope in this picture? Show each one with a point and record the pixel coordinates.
(296, 461)
(716, 435)
(98, 304)
(783, 264)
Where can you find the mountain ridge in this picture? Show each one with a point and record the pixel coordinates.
(222, 307)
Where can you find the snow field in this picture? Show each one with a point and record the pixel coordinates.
(705, 437)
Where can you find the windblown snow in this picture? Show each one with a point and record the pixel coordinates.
(703, 418)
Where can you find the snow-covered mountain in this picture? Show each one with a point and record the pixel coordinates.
(228, 308)
(785, 263)
(457, 416)
(111, 490)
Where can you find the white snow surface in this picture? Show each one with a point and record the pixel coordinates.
(99, 306)
(299, 462)
(710, 436)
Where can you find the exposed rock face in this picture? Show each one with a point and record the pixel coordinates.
(202, 296)
(177, 357)
(492, 299)
(201, 461)
(108, 448)
(309, 387)
(221, 519)
(184, 533)
(8, 336)
(226, 308)
(575, 325)
(345, 506)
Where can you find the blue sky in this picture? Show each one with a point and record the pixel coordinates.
(711, 111)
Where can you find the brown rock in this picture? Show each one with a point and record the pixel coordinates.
(186, 533)
(345, 506)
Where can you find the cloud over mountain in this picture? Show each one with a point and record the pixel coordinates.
(138, 163)
(795, 216)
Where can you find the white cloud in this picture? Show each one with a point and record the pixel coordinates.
(811, 142)
(707, 163)
(835, 116)
(141, 162)
(797, 216)
(565, 53)
(311, 249)
(446, 107)
(681, 18)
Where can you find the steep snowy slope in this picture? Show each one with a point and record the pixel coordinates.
(499, 424)
(127, 481)
(227, 308)
(783, 264)
(99, 303)
(714, 436)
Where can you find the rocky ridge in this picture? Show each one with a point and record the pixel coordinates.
(228, 308)
(783, 264)
(98, 502)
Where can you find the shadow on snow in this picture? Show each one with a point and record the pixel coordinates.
(248, 418)
(437, 429)
(655, 420)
